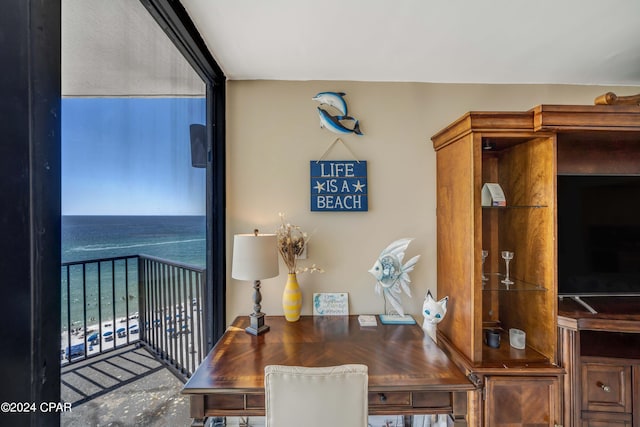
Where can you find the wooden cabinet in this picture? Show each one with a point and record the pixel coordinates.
(523, 152)
(601, 354)
(521, 401)
(606, 387)
(501, 148)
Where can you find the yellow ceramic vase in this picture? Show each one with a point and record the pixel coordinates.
(292, 299)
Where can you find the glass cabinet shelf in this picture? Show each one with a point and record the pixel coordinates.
(494, 283)
(515, 207)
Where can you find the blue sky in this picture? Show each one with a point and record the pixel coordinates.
(130, 156)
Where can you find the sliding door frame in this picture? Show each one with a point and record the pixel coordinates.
(177, 24)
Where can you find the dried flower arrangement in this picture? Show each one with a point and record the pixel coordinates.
(291, 244)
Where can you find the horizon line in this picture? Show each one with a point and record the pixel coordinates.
(130, 214)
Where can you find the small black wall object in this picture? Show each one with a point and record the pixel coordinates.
(198, 135)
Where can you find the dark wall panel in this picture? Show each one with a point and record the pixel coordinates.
(30, 210)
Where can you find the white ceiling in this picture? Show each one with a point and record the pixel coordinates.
(449, 41)
(114, 48)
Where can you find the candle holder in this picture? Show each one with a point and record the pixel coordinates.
(507, 256)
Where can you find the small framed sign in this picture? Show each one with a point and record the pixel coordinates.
(331, 304)
(492, 195)
(339, 185)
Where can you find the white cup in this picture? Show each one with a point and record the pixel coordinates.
(517, 338)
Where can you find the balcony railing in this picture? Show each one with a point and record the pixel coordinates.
(171, 306)
(112, 302)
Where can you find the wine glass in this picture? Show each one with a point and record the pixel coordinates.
(485, 254)
(507, 256)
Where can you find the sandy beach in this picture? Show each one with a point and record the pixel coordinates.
(123, 331)
(109, 336)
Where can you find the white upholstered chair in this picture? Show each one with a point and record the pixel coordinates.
(298, 396)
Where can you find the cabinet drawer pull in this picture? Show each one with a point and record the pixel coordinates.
(604, 387)
(382, 397)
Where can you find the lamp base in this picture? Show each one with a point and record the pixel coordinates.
(256, 324)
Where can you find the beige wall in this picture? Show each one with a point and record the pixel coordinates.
(273, 132)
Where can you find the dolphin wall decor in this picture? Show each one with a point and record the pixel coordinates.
(341, 123)
(335, 99)
(334, 123)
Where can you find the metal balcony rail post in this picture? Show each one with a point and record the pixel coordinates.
(172, 312)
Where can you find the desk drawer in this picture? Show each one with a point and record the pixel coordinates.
(606, 387)
(425, 399)
(395, 398)
(255, 401)
(233, 402)
(224, 401)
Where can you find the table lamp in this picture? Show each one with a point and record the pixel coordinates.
(255, 257)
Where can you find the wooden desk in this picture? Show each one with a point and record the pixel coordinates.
(408, 373)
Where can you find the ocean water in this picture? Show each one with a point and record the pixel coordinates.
(173, 238)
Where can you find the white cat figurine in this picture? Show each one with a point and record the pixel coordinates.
(433, 312)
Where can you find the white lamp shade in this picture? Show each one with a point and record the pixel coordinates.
(254, 257)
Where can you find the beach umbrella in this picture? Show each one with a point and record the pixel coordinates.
(133, 326)
(120, 330)
(93, 337)
(107, 334)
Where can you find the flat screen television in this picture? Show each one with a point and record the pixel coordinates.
(598, 235)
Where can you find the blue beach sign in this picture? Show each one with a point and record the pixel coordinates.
(339, 185)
